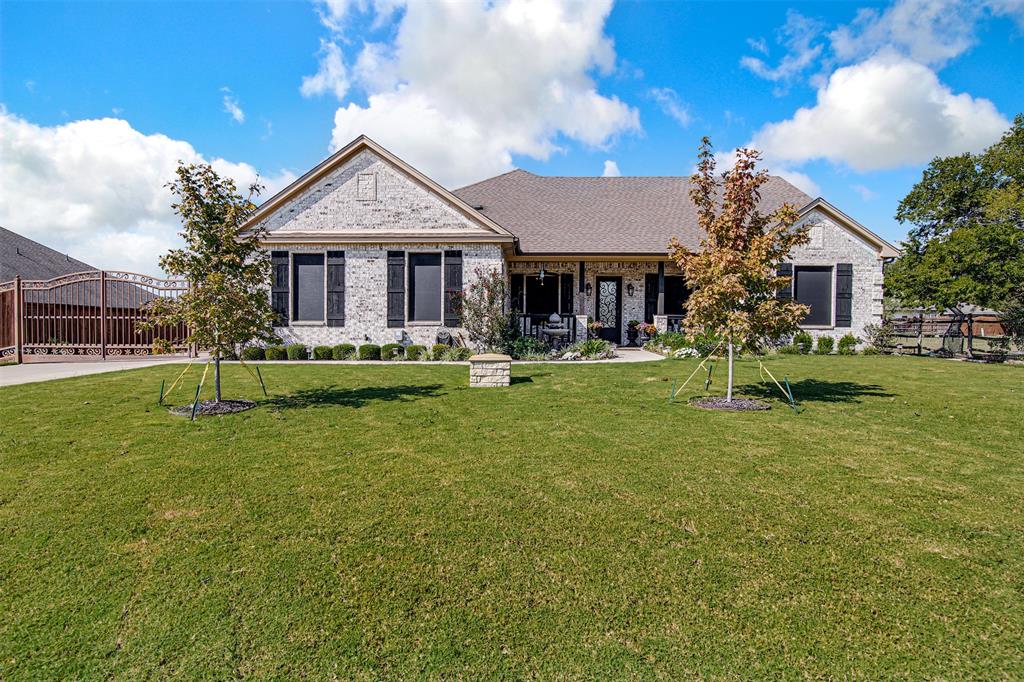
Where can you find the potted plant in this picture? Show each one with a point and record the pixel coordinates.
(647, 332)
(632, 332)
(594, 327)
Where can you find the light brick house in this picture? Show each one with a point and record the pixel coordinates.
(366, 248)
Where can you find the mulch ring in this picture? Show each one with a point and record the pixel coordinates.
(209, 408)
(716, 402)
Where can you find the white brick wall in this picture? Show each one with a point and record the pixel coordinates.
(366, 294)
(831, 244)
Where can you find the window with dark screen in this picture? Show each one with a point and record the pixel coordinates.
(425, 287)
(812, 286)
(308, 287)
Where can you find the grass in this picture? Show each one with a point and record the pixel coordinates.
(370, 522)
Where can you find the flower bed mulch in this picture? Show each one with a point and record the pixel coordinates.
(716, 402)
(209, 408)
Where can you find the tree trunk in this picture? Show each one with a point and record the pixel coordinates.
(216, 378)
(728, 391)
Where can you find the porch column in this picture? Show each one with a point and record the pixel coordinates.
(661, 323)
(661, 288)
(581, 327)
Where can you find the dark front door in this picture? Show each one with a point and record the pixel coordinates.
(609, 308)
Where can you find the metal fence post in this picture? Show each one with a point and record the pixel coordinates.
(103, 314)
(18, 341)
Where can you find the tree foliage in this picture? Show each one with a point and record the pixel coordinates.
(227, 302)
(966, 241)
(483, 312)
(734, 275)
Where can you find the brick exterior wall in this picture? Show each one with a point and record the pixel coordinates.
(831, 244)
(368, 194)
(366, 294)
(363, 195)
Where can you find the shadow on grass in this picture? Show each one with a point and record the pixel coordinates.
(353, 397)
(521, 380)
(815, 391)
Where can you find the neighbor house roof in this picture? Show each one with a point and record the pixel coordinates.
(624, 215)
(31, 260)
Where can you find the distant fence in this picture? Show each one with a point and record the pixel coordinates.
(967, 335)
(92, 313)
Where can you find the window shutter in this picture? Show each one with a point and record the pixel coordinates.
(844, 294)
(650, 296)
(518, 289)
(567, 294)
(786, 292)
(396, 288)
(279, 286)
(335, 288)
(452, 288)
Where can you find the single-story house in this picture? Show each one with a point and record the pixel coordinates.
(365, 248)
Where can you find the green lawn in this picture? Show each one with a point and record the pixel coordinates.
(391, 522)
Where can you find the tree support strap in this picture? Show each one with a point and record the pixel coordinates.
(787, 394)
(676, 391)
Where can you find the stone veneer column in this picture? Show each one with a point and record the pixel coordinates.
(581, 327)
(490, 369)
(661, 323)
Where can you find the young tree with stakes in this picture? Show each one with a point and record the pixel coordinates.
(734, 275)
(227, 303)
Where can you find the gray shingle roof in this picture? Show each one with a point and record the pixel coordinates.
(21, 256)
(626, 215)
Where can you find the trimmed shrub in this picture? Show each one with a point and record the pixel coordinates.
(229, 355)
(322, 353)
(343, 351)
(438, 351)
(671, 340)
(527, 347)
(392, 351)
(369, 351)
(457, 354)
(297, 351)
(275, 353)
(251, 353)
(789, 350)
(416, 352)
(803, 342)
(825, 345)
(848, 345)
(871, 350)
(591, 349)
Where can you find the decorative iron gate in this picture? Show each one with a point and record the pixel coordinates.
(97, 313)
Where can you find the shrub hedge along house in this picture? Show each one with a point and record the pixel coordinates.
(366, 248)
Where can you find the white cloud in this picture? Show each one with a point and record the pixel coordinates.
(726, 160)
(95, 188)
(463, 86)
(927, 31)
(800, 36)
(885, 112)
(231, 106)
(331, 76)
(865, 192)
(669, 101)
(611, 169)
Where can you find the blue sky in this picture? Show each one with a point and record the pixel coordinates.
(848, 99)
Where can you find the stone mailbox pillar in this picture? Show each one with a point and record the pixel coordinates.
(490, 369)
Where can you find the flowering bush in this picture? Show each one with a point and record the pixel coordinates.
(647, 329)
(595, 326)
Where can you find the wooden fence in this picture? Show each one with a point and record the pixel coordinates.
(952, 335)
(92, 313)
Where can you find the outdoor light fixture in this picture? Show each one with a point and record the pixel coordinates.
(589, 289)
(542, 274)
(629, 289)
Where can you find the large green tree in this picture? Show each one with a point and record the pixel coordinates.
(734, 275)
(227, 303)
(966, 241)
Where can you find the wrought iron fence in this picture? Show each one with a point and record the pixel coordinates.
(967, 335)
(540, 326)
(92, 313)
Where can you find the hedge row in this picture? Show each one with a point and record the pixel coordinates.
(347, 351)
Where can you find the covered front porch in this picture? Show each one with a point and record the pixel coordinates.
(610, 291)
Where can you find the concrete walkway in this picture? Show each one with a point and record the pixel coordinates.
(32, 372)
